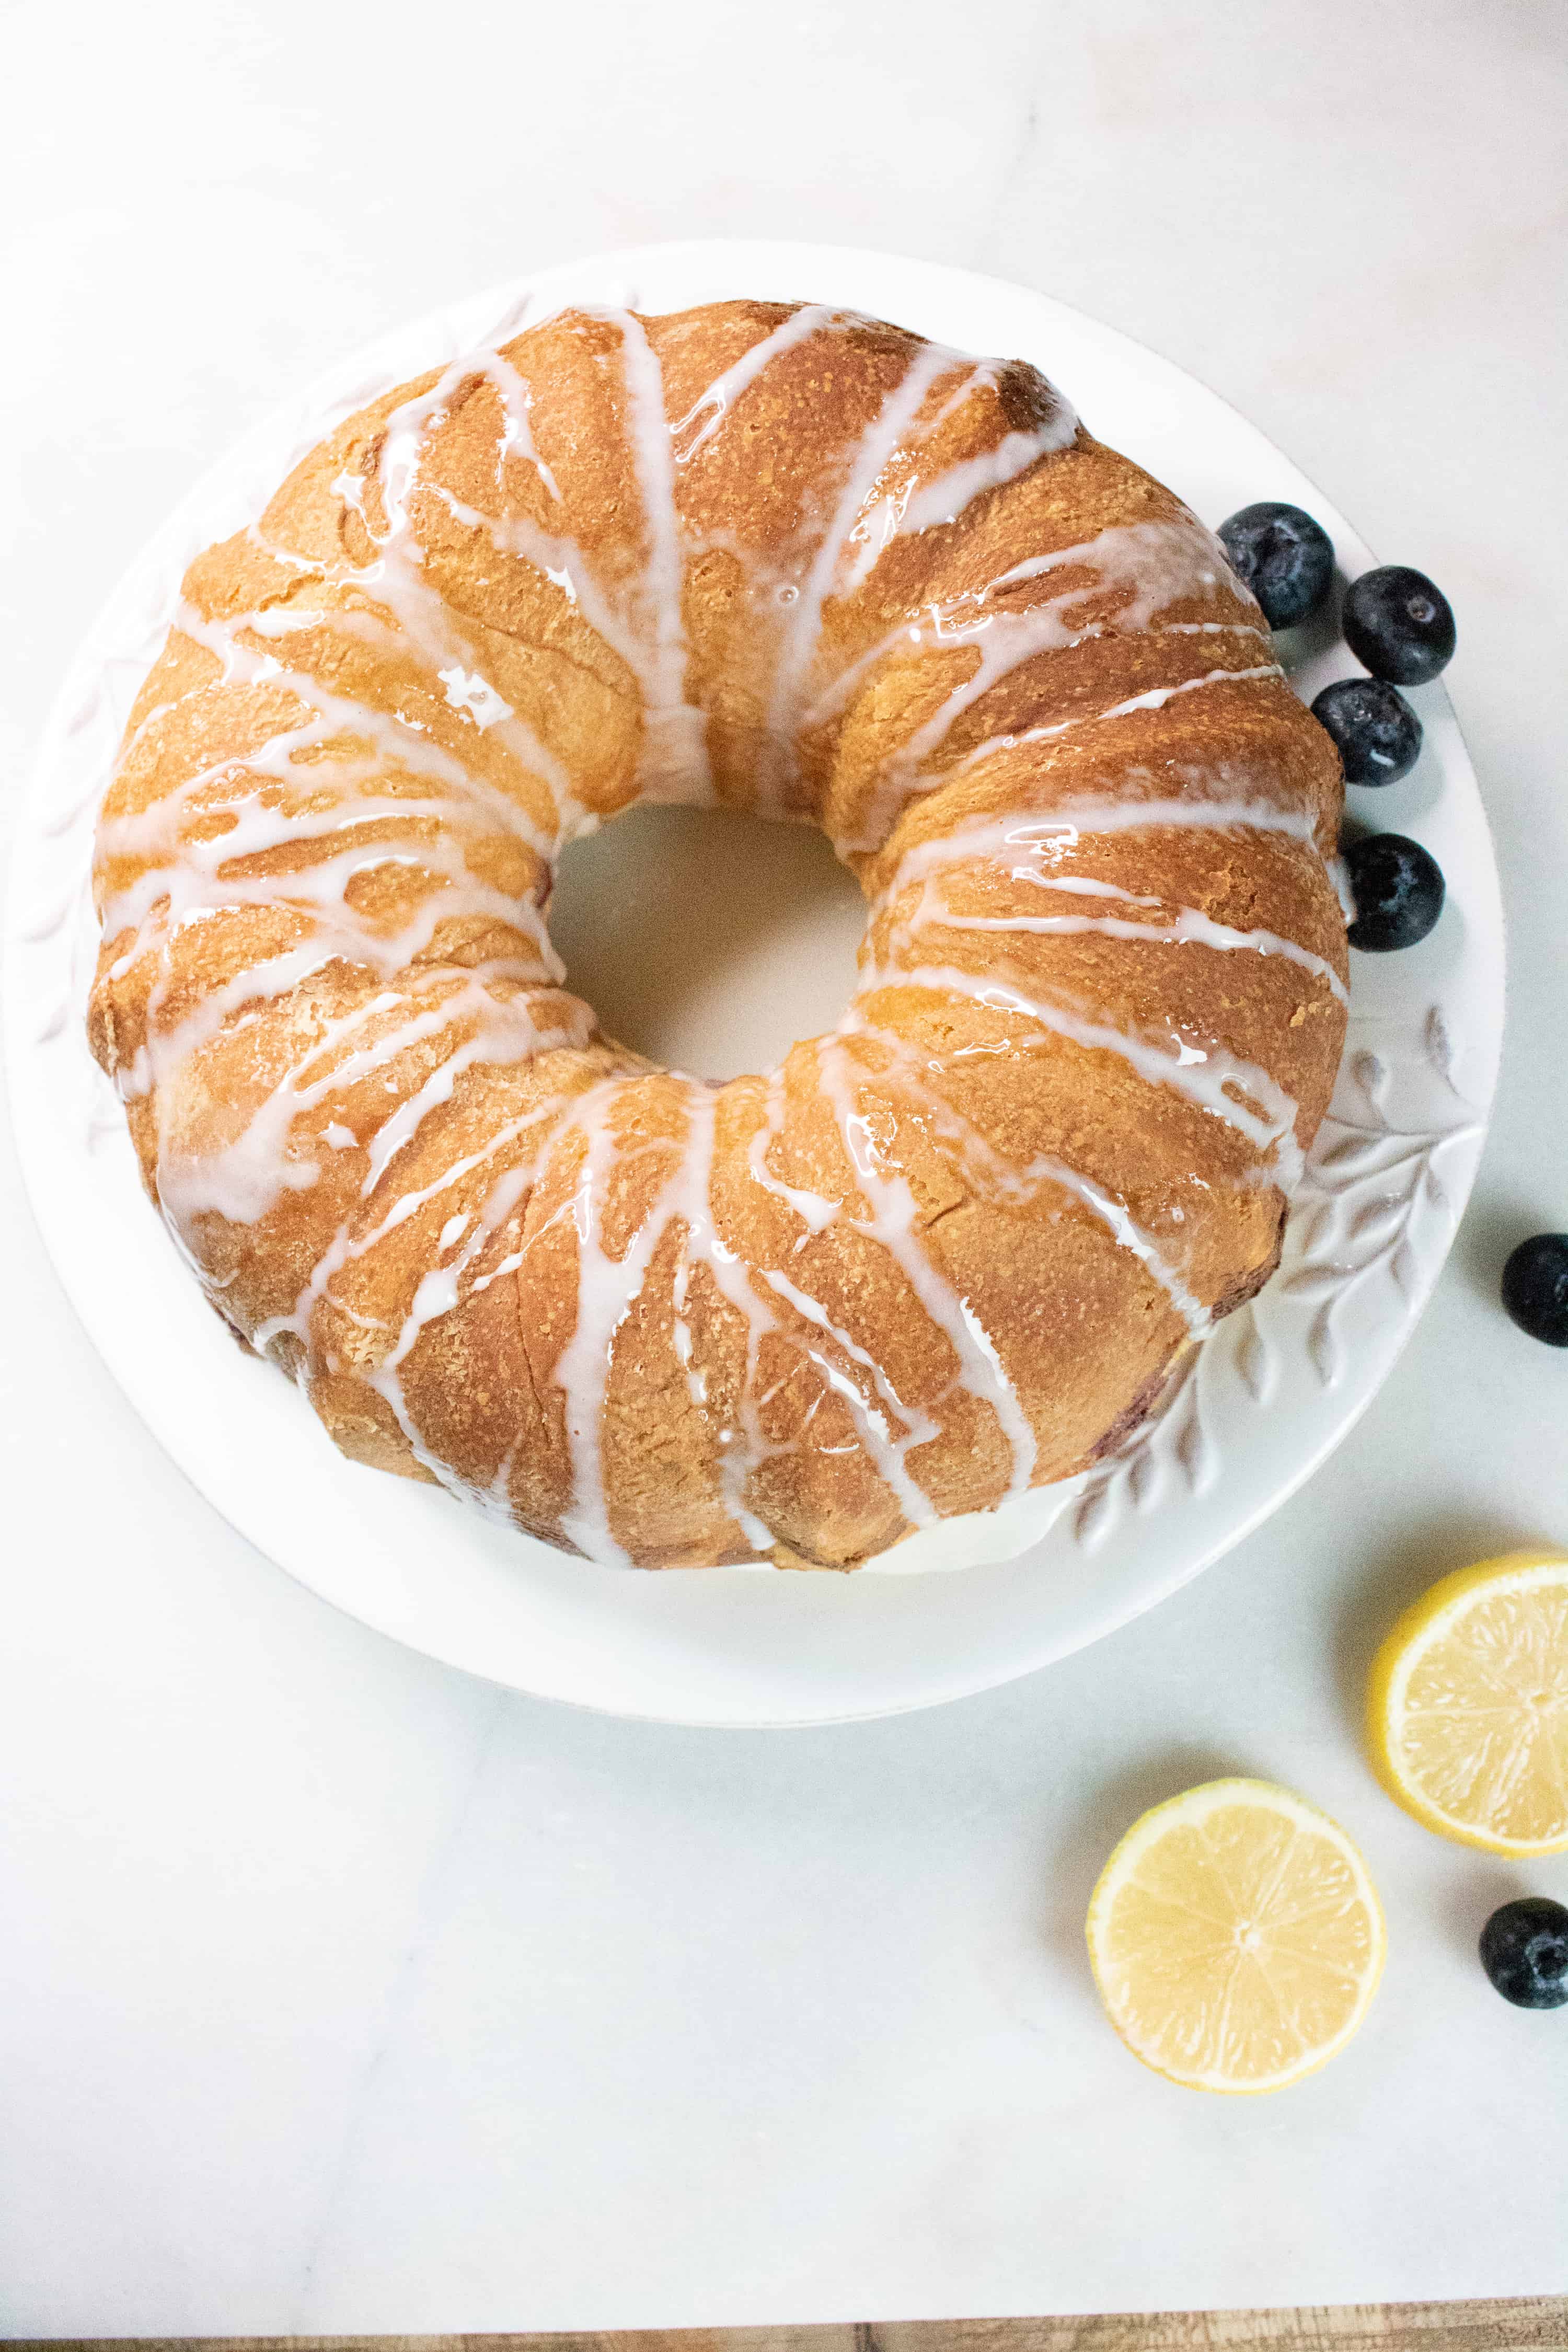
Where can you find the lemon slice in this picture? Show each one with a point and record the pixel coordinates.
(1468, 1707)
(1236, 1936)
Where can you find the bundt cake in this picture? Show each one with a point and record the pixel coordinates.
(760, 556)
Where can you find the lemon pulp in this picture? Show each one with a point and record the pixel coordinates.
(1236, 1936)
(1467, 1705)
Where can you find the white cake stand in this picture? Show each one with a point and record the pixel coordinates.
(1269, 1395)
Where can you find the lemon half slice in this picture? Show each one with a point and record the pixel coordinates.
(1467, 1708)
(1236, 1936)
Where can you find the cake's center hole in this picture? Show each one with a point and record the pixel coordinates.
(708, 941)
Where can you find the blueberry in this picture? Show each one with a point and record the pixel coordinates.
(1283, 556)
(1378, 734)
(1397, 889)
(1524, 1950)
(1398, 625)
(1535, 1288)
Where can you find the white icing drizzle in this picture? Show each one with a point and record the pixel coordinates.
(1209, 1076)
(742, 1450)
(650, 636)
(432, 630)
(245, 1179)
(814, 1209)
(321, 784)
(1057, 832)
(198, 882)
(1148, 565)
(1191, 927)
(876, 447)
(989, 1174)
(517, 432)
(893, 1222)
(887, 1452)
(675, 762)
(441, 1284)
(608, 1288)
(912, 507)
(560, 560)
(713, 406)
(1155, 698)
(929, 506)
(399, 743)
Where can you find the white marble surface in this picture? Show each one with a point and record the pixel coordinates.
(340, 1993)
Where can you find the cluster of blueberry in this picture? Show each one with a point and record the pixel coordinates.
(1398, 627)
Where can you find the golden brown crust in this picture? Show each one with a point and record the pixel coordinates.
(950, 1250)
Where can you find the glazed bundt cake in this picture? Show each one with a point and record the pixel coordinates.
(768, 557)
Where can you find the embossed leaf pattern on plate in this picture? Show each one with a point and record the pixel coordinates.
(1369, 1179)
